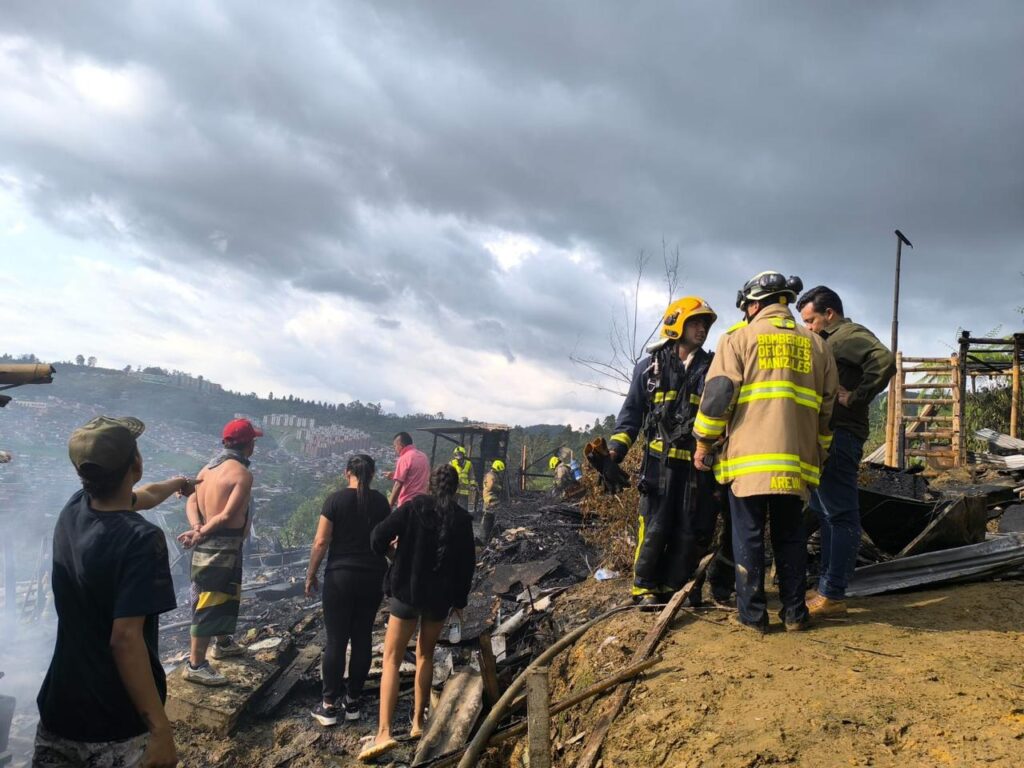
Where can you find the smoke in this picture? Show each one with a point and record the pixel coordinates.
(25, 653)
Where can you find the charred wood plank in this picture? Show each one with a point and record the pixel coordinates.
(283, 685)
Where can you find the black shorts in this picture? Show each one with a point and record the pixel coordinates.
(401, 610)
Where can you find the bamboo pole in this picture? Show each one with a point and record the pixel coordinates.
(1015, 388)
(959, 392)
(625, 674)
(594, 742)
(892, 419)
(895, 411)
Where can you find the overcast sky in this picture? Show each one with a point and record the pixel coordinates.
(432, 205)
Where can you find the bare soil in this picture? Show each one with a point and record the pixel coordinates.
(930, 678)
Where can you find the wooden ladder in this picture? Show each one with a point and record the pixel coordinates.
(930, 386)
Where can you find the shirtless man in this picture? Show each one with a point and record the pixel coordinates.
(219, 515)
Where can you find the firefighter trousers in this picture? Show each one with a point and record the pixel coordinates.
(673, 536)
(789, 543)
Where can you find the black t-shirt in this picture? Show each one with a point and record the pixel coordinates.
(106, 566)
(350, 542)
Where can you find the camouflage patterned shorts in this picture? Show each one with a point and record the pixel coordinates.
(54, 751)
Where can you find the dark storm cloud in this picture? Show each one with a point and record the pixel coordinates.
(367, 150)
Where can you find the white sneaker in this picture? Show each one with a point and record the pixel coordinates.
(226, 650)
(204, 674)
(352, 712)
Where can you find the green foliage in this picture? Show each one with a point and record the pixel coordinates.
(989, 408)
(877, 414)
(301, 526)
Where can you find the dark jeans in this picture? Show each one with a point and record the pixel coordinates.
(837, 505)
(789, 545)
(351, 599)
(673, 537)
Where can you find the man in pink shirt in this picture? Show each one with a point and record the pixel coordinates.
(412, 471)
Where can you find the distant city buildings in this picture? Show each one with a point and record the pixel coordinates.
(178, 379)
(315, 442)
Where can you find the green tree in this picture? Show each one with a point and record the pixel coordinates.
(302, 524)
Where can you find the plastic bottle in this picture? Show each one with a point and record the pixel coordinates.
(577, 471)
(455, 630)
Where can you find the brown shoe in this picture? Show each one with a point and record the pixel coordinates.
(819, 605)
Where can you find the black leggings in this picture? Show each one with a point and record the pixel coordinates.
(351, 600)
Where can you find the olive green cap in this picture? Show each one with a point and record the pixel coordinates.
(105, 442)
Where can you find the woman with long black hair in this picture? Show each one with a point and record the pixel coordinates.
(352, 591)
(430, 539)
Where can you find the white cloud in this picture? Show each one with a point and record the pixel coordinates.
(511, 250)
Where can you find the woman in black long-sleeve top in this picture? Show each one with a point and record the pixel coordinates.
(430, 540)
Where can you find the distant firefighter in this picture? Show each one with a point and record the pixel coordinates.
(493, 491)
(467, 481)
(566, 480)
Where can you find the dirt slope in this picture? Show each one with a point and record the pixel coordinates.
(919, 679)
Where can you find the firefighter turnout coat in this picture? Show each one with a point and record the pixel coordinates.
(770, 393)
(675, 391)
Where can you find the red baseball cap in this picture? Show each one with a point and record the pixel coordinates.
(240, 431)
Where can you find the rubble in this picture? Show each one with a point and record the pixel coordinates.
(216, 710)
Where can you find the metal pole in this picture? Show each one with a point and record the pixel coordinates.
(896, 296)
(892, 427)
(900, 240)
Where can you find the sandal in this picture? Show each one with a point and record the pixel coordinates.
(376, 750)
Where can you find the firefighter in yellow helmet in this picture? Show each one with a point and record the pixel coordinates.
(467, 480)
(493, 492)
(678, 506)
(769, 395)
(563, 479)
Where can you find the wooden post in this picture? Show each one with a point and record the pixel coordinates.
(895, 412)
(1015, 387)
(522, 471)
(538, 718)
(958, 391)
(489, 671)
(891, 419)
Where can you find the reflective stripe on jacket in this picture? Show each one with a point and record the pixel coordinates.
(465, 471)
(777, 425)
(641, 399)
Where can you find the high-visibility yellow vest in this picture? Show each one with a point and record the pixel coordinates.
(465, 471)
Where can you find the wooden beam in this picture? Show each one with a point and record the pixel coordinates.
(489, 671)
(538, 718)
(454, 717)
(283, 685)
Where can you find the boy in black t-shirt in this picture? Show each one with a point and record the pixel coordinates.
(102, 699)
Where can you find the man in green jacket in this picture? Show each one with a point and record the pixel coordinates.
(865, 366)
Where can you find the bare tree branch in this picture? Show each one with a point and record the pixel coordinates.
(671, 269)
(624, 345)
